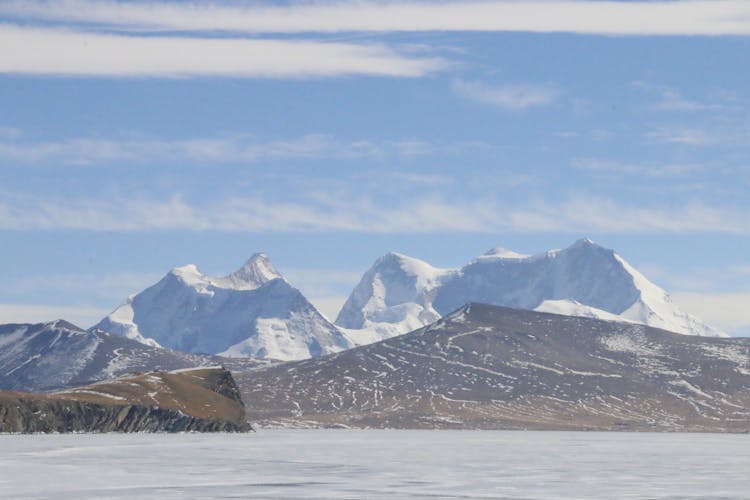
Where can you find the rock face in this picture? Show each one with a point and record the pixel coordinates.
(57, 355)
(492, 367)
(400, 293)
(203, 400)
(253, 312)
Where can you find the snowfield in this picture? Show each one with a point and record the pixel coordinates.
(376, 464)
(399, 294)
(252, 312)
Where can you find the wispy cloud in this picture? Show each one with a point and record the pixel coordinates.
(511, 97)
(576, 214)
(46, 51)
(650, 170)
(671, 99)
(222, 149)
(677, 17)
(9, 132)
(683, 135)
(423, 179)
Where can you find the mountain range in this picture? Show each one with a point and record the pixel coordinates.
(255, 312)
(56, 355)
(400, 293)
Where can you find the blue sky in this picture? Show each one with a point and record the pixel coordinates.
(138, 136)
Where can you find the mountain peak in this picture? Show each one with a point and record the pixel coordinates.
(392, 257)
(252, 312)
(188, 273)
(257, 271)
(584, 279)
(585, 243)
(64, 325)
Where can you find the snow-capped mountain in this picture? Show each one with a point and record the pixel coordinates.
(253, 312)
(400, 293)
(58, 354)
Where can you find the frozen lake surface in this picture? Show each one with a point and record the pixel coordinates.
(376, 464)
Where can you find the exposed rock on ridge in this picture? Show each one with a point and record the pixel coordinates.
(204, 400)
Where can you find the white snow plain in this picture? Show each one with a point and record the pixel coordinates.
(376, 464)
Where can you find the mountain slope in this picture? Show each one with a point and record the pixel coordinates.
(395, 295)
(58, 354)
(253, 312)
(499, 368)
(204, 399)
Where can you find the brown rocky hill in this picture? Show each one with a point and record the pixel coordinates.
(203, 399)
(492, 367)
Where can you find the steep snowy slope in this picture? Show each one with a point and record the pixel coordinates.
(393, 297)
(584, 279)
(253, 312)
(58, 354)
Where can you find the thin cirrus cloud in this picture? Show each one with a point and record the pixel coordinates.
(510, 97)
(674, 17)
(600, 166)
(86, 151)
(65, 52)
(689, 136)
(428, 214)
(670, 99)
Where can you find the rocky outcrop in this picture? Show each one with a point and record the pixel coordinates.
(199, 400)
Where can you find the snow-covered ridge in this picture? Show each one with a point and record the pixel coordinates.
(393, 297)
(252, 312)
(39, 357)
(400, 293)
(256, 272)
(502, 253)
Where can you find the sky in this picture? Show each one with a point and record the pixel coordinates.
(139, 136)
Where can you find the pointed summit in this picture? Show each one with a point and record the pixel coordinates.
(256, 272)
(252, 312)
(585, 243)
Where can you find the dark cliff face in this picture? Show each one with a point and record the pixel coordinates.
(201, 400)
(497, 368)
